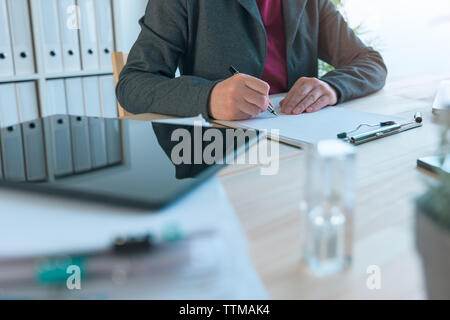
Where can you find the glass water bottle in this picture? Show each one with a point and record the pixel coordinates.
(327, 206)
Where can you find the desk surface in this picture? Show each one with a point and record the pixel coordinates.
(387, 184)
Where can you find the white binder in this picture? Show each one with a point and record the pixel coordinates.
(27, 101)
(11, 135)
(52, 41)
(88, 35)
(22, 43)
(56, 98)
(79, 125)
(104, 33)
(9, 114)
(109, 102)
(6, 57)
(112, 126)
(74, 95)
(60, 128)
(91, 93)
(32, 131)
(68, 26)
(97, 129)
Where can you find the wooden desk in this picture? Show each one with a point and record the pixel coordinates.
(387, 184)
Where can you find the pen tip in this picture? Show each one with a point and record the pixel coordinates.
(272, 109)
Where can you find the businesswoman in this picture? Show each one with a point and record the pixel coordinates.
(275, 44)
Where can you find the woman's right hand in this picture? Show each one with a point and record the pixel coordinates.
(240, 97)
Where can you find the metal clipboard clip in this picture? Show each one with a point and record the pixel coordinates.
(384, 129)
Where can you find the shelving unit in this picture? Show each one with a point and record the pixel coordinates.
(41, 75)
(98, 119)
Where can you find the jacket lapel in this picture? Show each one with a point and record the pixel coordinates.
(252, 8)
(293, 11)
(259, 36)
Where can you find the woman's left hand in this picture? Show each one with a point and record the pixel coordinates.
(308, 95)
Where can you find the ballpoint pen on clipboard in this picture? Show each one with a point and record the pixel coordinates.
(270, 107)
(384, 129)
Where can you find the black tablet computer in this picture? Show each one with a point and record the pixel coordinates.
(127, 162)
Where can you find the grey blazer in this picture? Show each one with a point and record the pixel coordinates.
(204, 37)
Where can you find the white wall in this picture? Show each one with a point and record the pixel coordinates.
(412, 35)
(127, 13)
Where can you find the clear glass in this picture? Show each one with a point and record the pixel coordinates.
(327, 207)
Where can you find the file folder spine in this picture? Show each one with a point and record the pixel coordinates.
(74, 96)
(60, 128)
(6, 56)
(52, 40)
(10, 135)
(69, 24)
(22, 42)
(88, 35)
(33, 137)
(34, 149)
(81, 150)
(104, 33)
(92, 103)
(98, 142)
(12, 151)
(113, 141)
(62, 146)
(108, 97)
(27, 101)
(109, 109)
(79, 125)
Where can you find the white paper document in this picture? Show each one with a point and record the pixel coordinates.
(310, 128)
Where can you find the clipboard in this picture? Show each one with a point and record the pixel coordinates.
(378, 131)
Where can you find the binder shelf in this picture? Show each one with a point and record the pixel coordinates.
(55, 55)
(59, 146)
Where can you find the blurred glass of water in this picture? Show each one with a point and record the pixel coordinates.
(327, 206)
